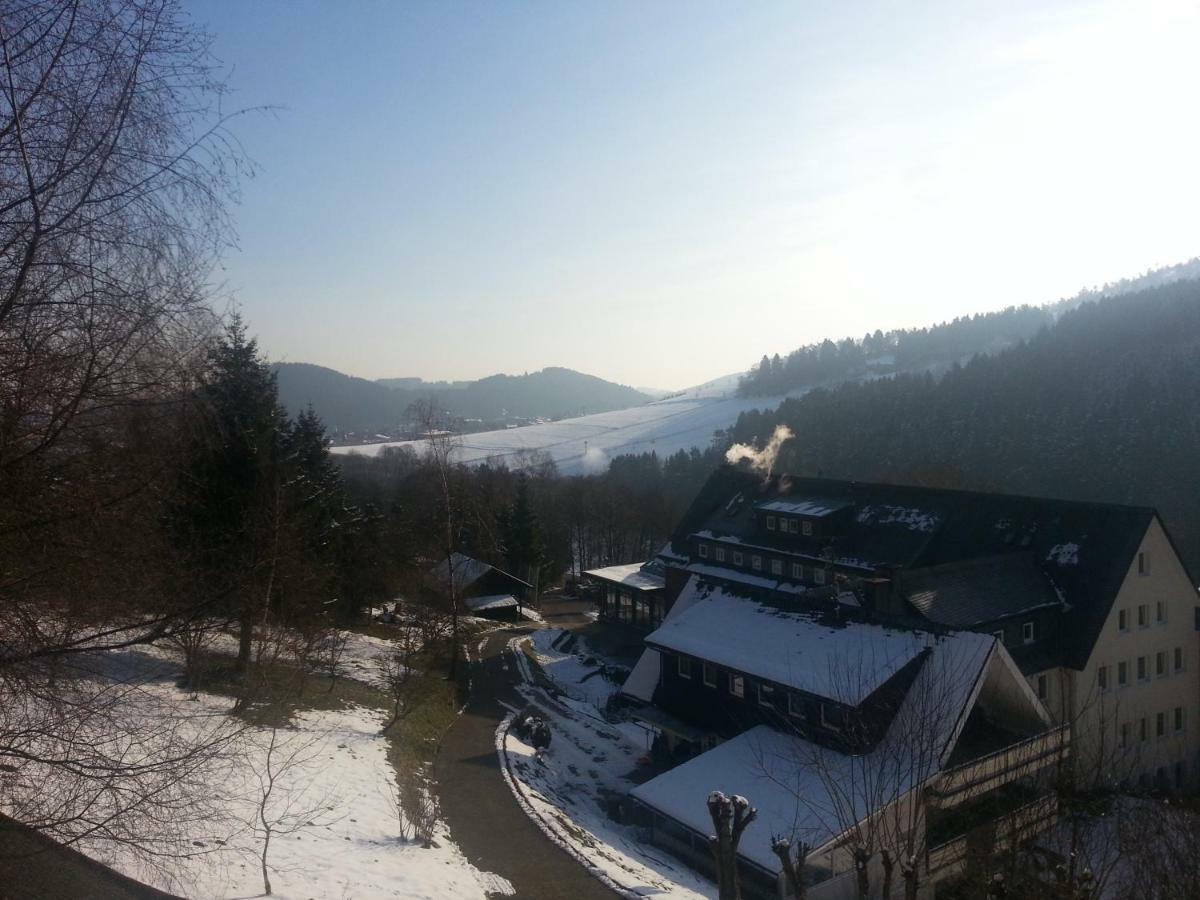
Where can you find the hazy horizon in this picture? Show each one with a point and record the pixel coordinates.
(658, 195)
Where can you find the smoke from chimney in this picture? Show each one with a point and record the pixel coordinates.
(761, 460)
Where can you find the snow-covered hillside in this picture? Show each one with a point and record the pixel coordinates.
(586, 444)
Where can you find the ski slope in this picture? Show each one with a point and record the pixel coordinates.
(585, 445)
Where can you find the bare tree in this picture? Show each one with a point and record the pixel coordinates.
(115, 166)
(283, 807)
(441, 446)
(398, 672)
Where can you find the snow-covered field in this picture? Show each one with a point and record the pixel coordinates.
(564, 789)
(333, 804)
(585, 445)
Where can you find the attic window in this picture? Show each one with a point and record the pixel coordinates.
(794, 526)
(797, 571)
(1143, 563)
(1027, 632)
(737, 685)
(710, 675)
(831, 716)
(770, 523)
(777, 567)
(1041, 687)
(766, 695)
(702, 551)
(756, 562)
(806, 527)
(719, 554)
(738, 559)
(999, 635)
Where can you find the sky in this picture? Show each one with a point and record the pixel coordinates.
(660, 193)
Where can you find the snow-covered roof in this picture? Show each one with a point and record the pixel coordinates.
(631, 576)
(789, 780)
(466, 570)
(845, 662)
(766, 582)
(492, 601)
(809, 506)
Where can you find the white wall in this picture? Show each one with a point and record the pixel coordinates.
(1099, 715)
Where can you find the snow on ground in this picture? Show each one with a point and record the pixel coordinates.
(573, 667)
(565, 787)
(339, 832)
(585, 445)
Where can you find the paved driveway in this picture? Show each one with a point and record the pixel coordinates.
(485, 821)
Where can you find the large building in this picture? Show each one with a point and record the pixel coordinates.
(811, 610)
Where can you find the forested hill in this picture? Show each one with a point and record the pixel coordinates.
(935, 347)
(355, 405)
(1103, 404)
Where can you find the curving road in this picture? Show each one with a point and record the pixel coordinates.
(484, 818)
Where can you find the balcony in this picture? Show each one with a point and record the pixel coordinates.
(978, 776)
(995, 836)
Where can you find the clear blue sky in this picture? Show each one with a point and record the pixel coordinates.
(659, 193)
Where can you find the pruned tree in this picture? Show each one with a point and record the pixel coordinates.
(730, 817)
(795, 885)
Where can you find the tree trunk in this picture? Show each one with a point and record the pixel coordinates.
(245, 641)
(263, 859)
(730, 816)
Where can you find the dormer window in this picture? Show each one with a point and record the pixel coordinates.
(1027, 633)
(777, 567)
(806, 528)
(719, 554)
(797, 571)
(831, 716)
(818, 575)
(738, 558)
(766, 695)
(702, 551)
(794, 526)
(756, 562)
(770, 523)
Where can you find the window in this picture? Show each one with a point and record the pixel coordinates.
(1122, 674)
(702, 551)
(738, 559)
(684, 667)
(795, 706)
(1143, 615)
(797, 571)
(766, 695)
(1102, 678)
(794, 526)
(1178, 719)
(1141, 668)
(710, 675)
(1042, 688)
(1143, 563)
(1027, 632)
(1124, 735)
(756, 562)
(777, 567)
(1143, 729)
(1180, 770)
(1160, 663)
(1178, 659)
(1160, 612)
(831, 716)
(770, 523)
(737, 685)
(999, 635)
(806, 527)
(719, 554)
(1123, 619)
(1160, 725)
(818, 575)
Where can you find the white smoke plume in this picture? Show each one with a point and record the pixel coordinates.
(763, 460)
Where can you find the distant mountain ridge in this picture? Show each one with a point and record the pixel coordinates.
(357, 407)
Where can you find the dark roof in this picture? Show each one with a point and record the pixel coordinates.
(976, 591)
(1082, 550)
